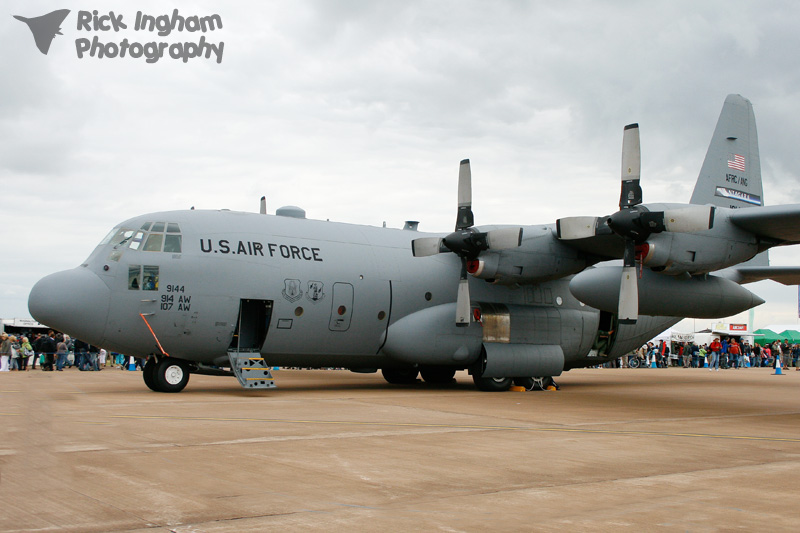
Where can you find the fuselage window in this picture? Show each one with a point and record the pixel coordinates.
(134, 277)
(150, 278)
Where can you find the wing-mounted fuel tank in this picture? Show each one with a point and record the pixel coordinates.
(541, 257)
(703, 296)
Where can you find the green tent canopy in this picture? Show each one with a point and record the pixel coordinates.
(765, 336)
(792, 335)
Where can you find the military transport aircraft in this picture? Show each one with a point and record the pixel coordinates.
(222, 292)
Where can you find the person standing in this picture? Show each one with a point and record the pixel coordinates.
(755, 358)
(735, 353)
(27, 352)
(61, 353)
(5, 352)
(49, 348)
(716, 348)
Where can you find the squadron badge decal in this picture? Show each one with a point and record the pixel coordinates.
(291, 290)
(315, 292)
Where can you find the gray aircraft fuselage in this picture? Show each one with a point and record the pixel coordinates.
(333, 293)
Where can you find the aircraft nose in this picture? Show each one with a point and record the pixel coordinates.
(74, 301)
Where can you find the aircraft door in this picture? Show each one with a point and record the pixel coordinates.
(341, 307)
(252, 326)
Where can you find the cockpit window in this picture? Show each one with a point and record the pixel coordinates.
(122, 237)
(172, 243)
(136, 241)
(154, 242)
(107, 238)
(151, 237)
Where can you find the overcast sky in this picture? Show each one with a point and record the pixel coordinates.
(361, 111)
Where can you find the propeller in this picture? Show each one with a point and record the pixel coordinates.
(466, 241)
(634, 223)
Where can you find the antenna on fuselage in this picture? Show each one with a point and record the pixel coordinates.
(263, 210)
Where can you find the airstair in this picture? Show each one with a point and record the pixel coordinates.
(250, 369)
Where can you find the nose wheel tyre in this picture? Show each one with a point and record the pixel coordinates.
(171, 375)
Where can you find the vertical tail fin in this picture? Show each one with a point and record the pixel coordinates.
(731, 173)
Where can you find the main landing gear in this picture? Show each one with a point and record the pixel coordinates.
(503, 384)
(166, 374)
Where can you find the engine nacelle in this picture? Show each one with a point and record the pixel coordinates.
(695, 253)
(661, 295)
(542, 257)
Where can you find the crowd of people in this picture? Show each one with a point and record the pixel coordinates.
(53, 352)
(720, 353)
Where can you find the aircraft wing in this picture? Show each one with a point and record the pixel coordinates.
(604, 244)
(750, 274)
(780, 223)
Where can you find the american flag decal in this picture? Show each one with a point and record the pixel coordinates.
(736, 162)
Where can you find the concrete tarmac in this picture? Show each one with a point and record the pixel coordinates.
(634, 450)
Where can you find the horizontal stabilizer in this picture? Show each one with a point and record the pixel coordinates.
(751, 274)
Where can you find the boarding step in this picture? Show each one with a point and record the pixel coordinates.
(251, 370)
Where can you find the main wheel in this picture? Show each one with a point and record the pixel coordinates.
(491, 384)
(400, 376)
(524, 382)
(439, 375)
(171, 375)
(149, 374)
(542, 383)
(634, 362)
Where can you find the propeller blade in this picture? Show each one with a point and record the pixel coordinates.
(689, 219)
(631, 191)
(570, 228)
(628, 310)
(464, 219)
(462, 303)
(426, 246)
(503, 239)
